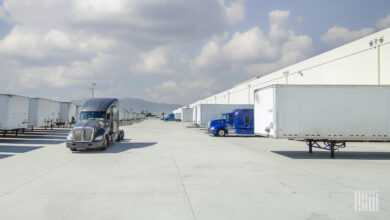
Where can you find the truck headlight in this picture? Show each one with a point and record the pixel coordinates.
(212, 128)
(70, 136)
(99, 138)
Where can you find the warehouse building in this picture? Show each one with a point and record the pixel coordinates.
(362, 62)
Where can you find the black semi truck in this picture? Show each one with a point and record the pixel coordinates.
(97, 127)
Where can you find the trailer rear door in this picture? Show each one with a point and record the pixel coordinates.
(264, 116)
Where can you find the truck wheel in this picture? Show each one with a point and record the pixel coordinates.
(221, 132)
(120, 136)
(73, 149)
(105, 143)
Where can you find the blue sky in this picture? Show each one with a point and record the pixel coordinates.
(173, 51)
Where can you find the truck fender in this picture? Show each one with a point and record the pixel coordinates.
(100, 132)
(221, 129)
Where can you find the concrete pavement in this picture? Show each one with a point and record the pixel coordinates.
(164, 170)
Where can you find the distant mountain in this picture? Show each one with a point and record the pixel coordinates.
(138, 105)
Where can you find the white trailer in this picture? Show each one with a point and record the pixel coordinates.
(194, 114)
(43, 112)
(186, 114)
(177, 116)
(67, 112)
(121, 115)
(131, 115)
(13, 112)
(332, 114)
(208, 112)
(125, 115)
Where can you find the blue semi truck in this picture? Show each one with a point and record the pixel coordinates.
(170, 117)
(239, 122)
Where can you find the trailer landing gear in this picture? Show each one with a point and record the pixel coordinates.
(328, 145)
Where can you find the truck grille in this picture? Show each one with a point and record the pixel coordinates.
(78, 135)
(82, 134)
(87, 134)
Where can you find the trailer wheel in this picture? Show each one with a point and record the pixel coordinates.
(221, 132)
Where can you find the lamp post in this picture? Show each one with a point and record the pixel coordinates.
(93, 89)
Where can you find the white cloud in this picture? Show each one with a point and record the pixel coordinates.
(152, 22)
(99, 7)
(249, 52)
(235, 12)
(383, 23)
(61, 76)
(22, 43)
(61, 40)
(148, 23)
(279, 25)
(208, 55)
(182, 91)
(337, 36)
(155, 62)
(249, 45)
(296, 49)
(37, 14)
(125, 46)
(58, 40)
(53, 44)
(34, 77)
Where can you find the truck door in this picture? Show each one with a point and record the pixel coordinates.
(244, 122)
(230, 120)
(247, 121)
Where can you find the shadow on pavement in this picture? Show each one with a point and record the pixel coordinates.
(127, 145)
(30, 141)
(17, 149)
(24, 136)
(236, 136)
(2, 156)
(34, 133)
(356, 155)
(119, 147)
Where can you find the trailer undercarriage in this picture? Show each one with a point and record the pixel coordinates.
(330, 145)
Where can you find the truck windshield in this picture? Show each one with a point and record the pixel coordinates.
(229, 117)
(92, 115)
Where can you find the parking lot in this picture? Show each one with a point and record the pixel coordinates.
(171, 170)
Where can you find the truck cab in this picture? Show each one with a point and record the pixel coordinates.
(97, 127)
(170, 117)
(238, 122)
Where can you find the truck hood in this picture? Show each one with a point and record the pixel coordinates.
(217, 122)
(88, 123)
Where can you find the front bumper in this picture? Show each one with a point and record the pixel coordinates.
(210, 131)
(84, 145)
